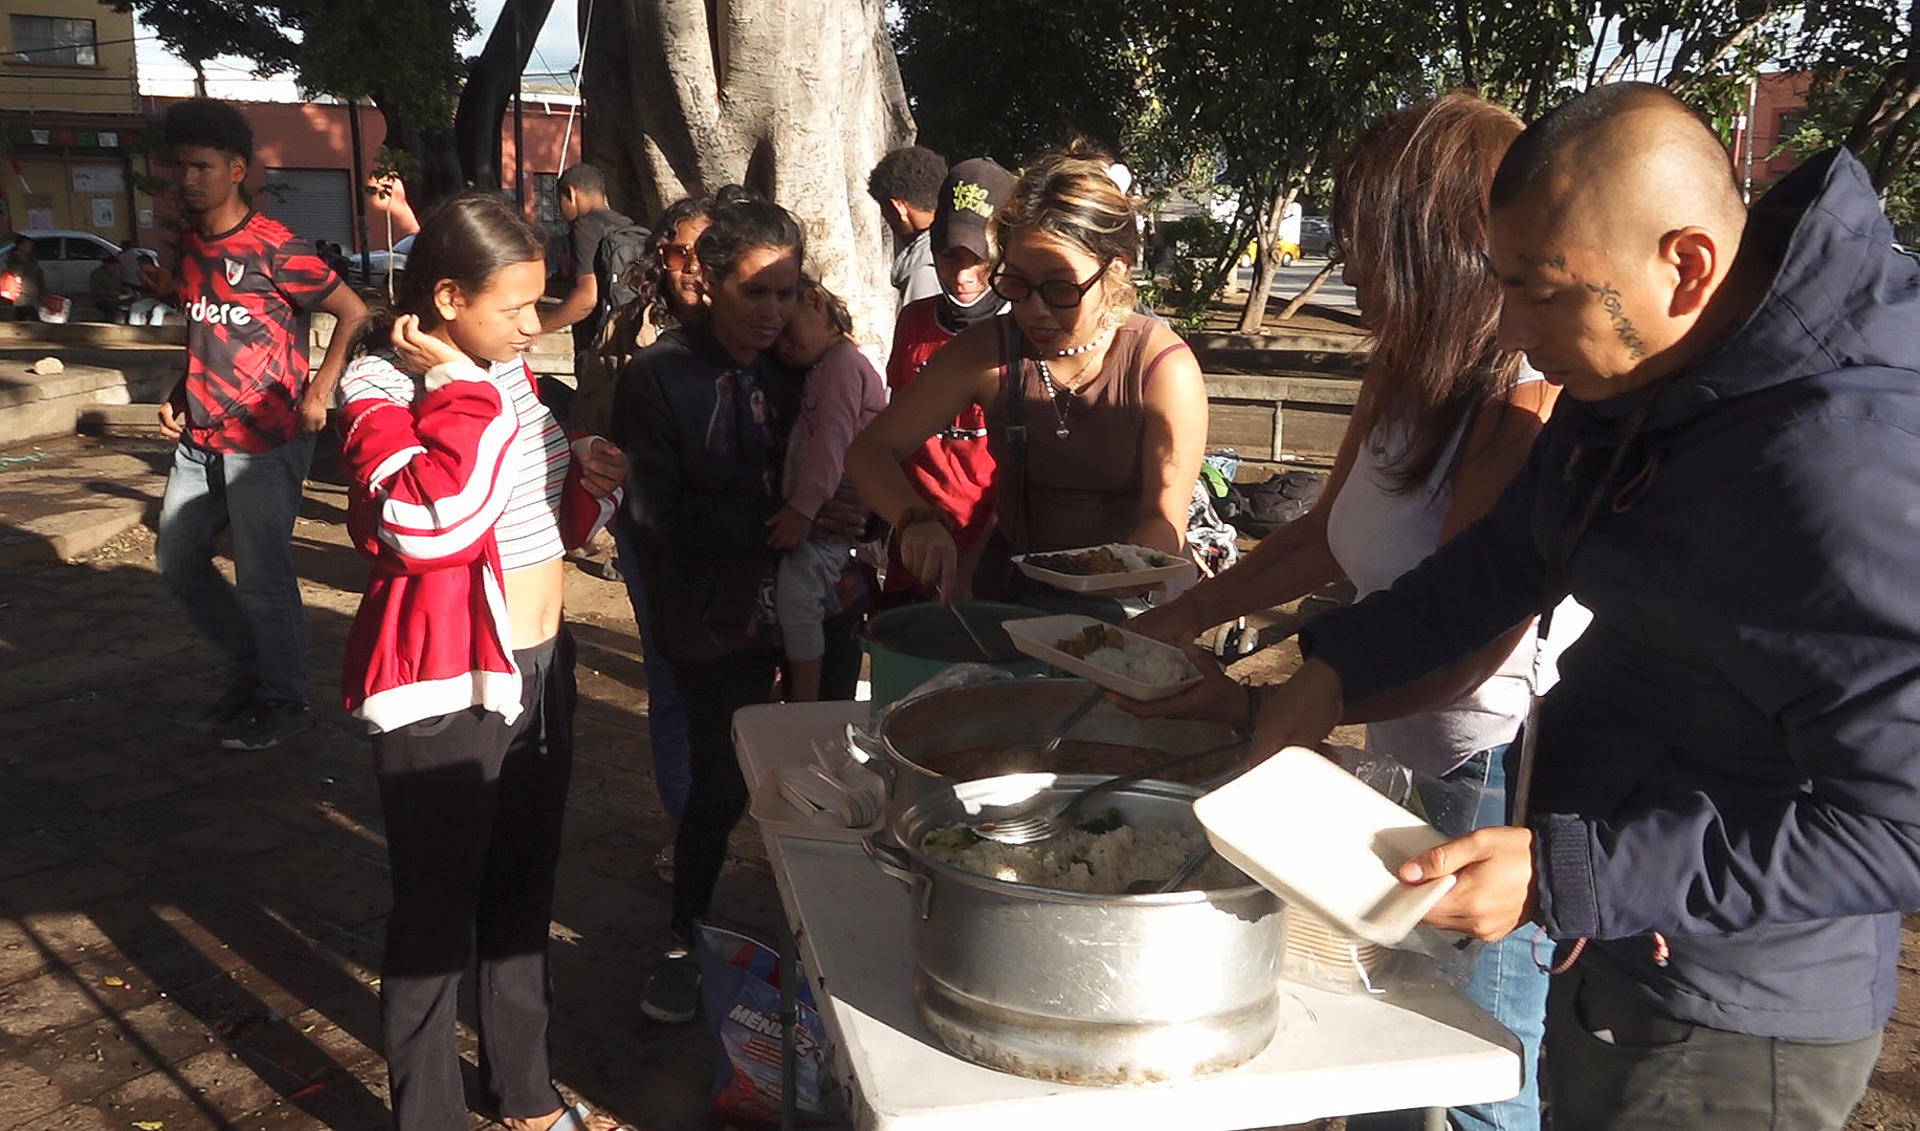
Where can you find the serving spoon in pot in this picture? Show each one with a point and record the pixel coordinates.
(973, 634)
(1051, 817)
(1186, 871)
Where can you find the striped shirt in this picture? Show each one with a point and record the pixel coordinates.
(528, 532)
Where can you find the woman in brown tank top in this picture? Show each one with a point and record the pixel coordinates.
(1097, 417)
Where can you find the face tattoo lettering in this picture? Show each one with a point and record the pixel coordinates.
(1617, 314)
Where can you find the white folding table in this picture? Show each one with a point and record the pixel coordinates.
(1335, 1054)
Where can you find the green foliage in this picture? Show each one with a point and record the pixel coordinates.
(1006, 78)
(1188, 259)
(1864, 57)
(400, 53)
(1254, 98)
(1830, 114)
(200, 30)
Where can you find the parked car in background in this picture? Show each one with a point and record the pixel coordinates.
(1316, 235)
(380, 262)
(67, 258)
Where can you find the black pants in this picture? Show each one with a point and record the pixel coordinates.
(1651, 1072)
(473, 806)
(713, 690)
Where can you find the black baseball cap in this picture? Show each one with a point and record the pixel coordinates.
(973, 191)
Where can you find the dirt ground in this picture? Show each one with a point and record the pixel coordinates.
(189, 937)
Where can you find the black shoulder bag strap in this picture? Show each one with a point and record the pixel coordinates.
(1013, 483)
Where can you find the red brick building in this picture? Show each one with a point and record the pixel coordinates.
(1778, 100)
(303, 167)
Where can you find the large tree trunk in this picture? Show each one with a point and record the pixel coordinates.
(796, 99)
(491, 81)
(1266, 261)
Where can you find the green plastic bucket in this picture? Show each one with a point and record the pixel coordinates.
(913, 643)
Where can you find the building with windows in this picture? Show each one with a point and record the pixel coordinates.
(1778, 99)
(70, 120)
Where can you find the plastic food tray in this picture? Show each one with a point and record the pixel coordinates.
(1320, 837)
(1037, 637)
(1097, 582)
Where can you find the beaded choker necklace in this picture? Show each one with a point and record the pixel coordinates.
(1087, 348)
(1054, 391)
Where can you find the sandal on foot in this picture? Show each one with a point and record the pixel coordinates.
(575, 1118)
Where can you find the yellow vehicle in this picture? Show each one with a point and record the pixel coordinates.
(1289, 251)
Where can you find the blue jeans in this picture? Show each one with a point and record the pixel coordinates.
(1506, 982)
(666, 710)
(257, 625)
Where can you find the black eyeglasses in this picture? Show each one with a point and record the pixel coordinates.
(678, 256)
(1060, 294)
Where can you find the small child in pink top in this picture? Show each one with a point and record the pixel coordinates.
(843, 392)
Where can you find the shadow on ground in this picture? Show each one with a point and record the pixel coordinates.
(190, 937)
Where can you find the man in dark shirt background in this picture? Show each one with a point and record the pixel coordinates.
(581, 193)
(906, 186)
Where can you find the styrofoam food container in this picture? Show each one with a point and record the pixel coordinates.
(1170, 568)
(1318, 836)
(1037, 637)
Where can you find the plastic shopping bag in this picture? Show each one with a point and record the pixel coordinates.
(739, 988)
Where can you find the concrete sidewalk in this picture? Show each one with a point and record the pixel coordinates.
(67, 498)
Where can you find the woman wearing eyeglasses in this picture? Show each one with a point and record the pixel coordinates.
(1096, 414)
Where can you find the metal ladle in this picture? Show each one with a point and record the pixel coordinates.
(1051, 818)
(986, 653)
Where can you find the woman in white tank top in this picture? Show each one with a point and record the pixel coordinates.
(1444, 421)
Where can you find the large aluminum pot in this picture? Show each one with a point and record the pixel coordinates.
(1083, 989)
(997, 728)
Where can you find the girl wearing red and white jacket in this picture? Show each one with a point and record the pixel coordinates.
(465, 494)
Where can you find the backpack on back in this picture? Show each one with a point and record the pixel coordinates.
(617, 266)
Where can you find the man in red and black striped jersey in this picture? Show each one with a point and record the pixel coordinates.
(245, 416)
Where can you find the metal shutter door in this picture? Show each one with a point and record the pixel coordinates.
(314, 203)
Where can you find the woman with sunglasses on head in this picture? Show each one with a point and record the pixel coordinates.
(670, 301)
(464, 493)
(1096, 414)
(670, 293)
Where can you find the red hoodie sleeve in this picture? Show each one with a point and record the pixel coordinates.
(425, 464)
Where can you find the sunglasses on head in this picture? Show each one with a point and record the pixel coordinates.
(1060, 294)
(678, 256)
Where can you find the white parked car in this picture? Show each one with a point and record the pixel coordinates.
(67, 258)
(380, 262)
